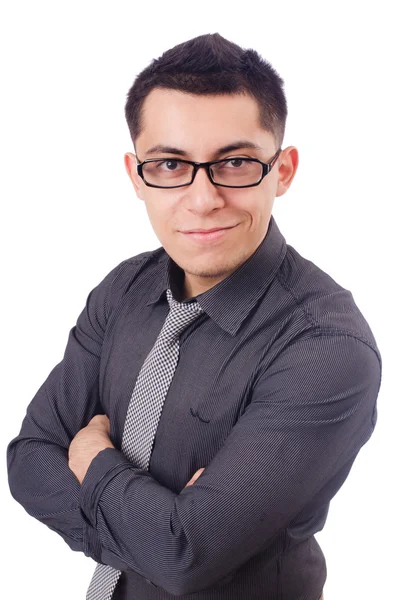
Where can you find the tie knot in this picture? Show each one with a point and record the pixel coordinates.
(180, 315)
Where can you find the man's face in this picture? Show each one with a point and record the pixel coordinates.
(200, 125)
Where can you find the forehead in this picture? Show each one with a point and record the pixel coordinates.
(199, 123)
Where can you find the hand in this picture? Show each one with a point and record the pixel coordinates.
(195, 476)
(87, 443)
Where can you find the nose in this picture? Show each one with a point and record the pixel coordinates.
(202, 195)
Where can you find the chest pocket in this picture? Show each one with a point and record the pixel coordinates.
(219, 408)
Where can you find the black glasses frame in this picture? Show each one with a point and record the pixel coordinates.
(266, 168)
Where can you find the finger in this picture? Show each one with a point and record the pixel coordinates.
(195, 477)
(101, 421)
(100, 418)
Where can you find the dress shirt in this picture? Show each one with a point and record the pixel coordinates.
(274, 394)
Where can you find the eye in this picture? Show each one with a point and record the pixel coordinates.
(170, 164)
(232, 164)
(233, 161)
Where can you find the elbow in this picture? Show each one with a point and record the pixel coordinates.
(13, 472)
(18, 477)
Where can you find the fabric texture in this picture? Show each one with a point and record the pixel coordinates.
(144, 412)
(274, 393)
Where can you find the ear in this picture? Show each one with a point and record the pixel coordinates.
(130, 162)
(289, 160)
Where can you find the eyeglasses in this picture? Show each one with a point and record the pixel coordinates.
(233, 172)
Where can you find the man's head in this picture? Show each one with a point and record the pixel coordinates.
(198, 97)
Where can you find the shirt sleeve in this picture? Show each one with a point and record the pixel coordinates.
(310, 412)
(39, 475)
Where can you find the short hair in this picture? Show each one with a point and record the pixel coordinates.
(212, 65)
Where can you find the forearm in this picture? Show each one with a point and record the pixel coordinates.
(41, 481)
(39, 475)
(139, 526)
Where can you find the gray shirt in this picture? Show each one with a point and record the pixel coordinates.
(274, 394)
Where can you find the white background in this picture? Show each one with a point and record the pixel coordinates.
(69, 215)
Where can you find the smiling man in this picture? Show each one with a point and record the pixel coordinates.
(215, 391)
(208, 128)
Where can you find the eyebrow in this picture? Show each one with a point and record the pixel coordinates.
(237, 145)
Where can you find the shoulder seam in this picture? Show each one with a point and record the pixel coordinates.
(315, 323)
(144, 257)
(305, 310)
(334, 332)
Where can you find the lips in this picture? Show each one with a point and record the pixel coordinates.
(208, 235)
(205, 230)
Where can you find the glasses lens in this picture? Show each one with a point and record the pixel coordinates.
(167, 173)
(236, 172)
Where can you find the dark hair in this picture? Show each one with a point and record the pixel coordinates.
(210, 64)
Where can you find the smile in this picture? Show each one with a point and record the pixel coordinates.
(208, 237)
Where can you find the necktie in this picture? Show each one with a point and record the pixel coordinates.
(144, 412)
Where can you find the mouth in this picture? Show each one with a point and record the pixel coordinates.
(208, 236)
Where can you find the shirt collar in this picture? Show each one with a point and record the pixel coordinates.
(230, 301)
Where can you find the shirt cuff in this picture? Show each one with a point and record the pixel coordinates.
(91, 542)
(108, 463)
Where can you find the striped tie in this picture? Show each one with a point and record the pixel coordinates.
(144, 412)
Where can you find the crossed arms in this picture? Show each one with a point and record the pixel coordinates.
(308, 418)
(89, 441)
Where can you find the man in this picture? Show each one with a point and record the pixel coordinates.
(244, 373)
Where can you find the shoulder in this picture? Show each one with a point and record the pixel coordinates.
(328, 307)
(114, 285)
(128, 268)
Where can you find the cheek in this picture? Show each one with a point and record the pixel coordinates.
(257, 212)
(160, 215)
